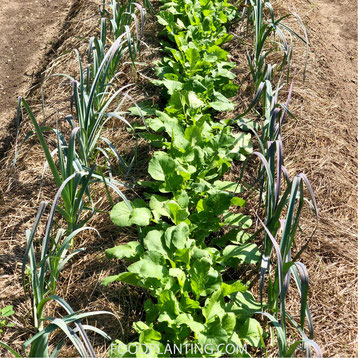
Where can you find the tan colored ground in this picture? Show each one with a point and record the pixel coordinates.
(29, 30)
(322, 143)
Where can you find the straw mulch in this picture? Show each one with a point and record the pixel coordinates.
(320, 143)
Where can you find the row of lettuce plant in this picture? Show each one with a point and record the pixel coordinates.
(190, 227)
(95, 100)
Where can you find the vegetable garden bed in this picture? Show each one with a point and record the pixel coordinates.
(194, 232)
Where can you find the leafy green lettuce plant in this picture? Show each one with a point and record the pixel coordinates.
(178, 259)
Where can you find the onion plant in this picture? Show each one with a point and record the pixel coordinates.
(44, 274)
(40, 276)
(69, 170)
(263, 30)
(122, 14)
(96, 102)
(282, 206)
(71, 175)
(282, 202)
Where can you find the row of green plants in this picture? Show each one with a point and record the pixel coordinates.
(187, 203)
(76, 166)
(193, 233)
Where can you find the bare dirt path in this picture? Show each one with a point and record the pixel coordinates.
(28, 30)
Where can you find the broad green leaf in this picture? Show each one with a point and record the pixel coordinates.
(219, 53)
(172, 183)
(176, 54)
(200, 206)
(224, 72)
(238, 201)
(225, 38)
(140, 326)
(193, 57)
(213, 335)
(130, 251)
(161, 165)
(172, 86)
(181, 24)
(194, 101)
(250, 332)
(165, 18)
(152, 185)
(182, 199)
(172, 9)
(151, 310)
(120, 214)
(222, 106)
(128, 277)
(213, 306)
(146, 109)
(248, 253)
(201, 186)
(158, 205)
(195, 84)
(227, 289)
(218, 202)
(139, 203)
(168, 303)
(243, 146)
(222, 103)
(187, 319)
(174, 129)
(179, 274)
(156, 124)
(141, 216)
(229, 322)
(151, 265)
(177, 214)
(188, 304)
(241, 220)
(177, 236)
(182, 255)
(214, 281)
(243, 304)
(149, 335)
(7, 311)
(199, 275)
(153, 242)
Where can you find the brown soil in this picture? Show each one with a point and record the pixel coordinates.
(29, 31)
(321, 143)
